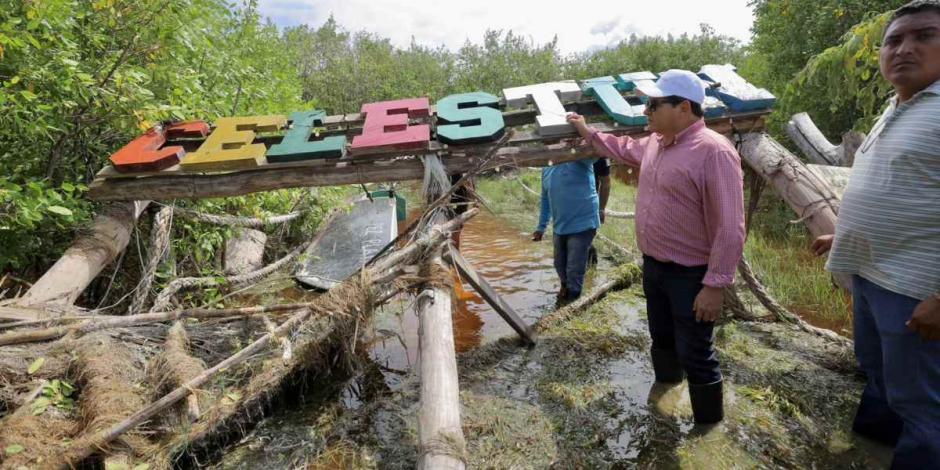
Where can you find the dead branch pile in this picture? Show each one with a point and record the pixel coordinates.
(144, 391)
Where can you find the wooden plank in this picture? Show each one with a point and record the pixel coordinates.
(483, 287)
(457, 159)
(746, 122)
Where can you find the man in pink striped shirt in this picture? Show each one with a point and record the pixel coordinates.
(690, 228)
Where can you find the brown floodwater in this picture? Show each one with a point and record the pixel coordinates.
(519, 270)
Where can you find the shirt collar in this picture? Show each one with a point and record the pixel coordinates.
(933, 89)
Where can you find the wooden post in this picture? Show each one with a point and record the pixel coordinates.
(483, 287)
(442, 442)
(810, 196)
(91, 252)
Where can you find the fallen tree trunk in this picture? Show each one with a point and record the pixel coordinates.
(109, 380)
(158, 251)
(439, 431)
(165, 298)
(817, 147)
(85, 446)
(619, 215)
(238, 221)
(88, 326)
(264, 383)
(781, 313)
(107, 237)
(244, 251)
(814, 201)
(174, 366)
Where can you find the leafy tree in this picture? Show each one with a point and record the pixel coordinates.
(842, 88)
(790, 32)
(658, 54)
(79, 79)
(506, 60)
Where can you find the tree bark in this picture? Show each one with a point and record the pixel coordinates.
(817, 147)
(244, 252)
(109, 234)
(810, 196)
(442, 441)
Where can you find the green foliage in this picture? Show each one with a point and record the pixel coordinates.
(658, 54)
(340, 70)
(506, 60)
(35, 219)
(57, 394)
(790, 32)
(79, 79)
(820, 57)
(842, 88)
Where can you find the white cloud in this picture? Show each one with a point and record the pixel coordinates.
(577, 25)
(605, 27)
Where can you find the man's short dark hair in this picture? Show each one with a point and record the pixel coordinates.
(697, 109)
(917, 6)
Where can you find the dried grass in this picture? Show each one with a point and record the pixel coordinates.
(41, 438)
(173, 367)
(109, 380)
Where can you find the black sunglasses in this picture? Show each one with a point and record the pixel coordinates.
(655, 103)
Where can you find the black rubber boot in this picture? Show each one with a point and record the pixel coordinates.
(707, 404)
(666, 366)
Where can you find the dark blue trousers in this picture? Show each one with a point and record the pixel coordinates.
(571, 259)
(901, 401)
(670, 294)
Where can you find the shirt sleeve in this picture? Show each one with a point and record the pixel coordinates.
(546, 210)
(623, 148)
(724, 216)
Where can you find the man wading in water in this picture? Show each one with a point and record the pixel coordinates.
(888, 238)
(690, 228)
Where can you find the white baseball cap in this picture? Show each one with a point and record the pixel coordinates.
(680, 83)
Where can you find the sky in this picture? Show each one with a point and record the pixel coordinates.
(579, 26)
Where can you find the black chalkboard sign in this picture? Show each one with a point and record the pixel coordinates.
(348, 242)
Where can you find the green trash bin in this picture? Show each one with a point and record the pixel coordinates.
(401, 206)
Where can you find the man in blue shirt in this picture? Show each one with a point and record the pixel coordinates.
(570, 201)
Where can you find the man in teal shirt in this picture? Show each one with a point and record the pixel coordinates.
(570, 201)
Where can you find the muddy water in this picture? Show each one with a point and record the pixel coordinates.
(588, 389)
(519, 269)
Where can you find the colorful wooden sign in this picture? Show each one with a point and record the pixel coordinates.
(408, 124)
(230, 146)
(734, 90)
(297, 146)
(386, 126)
(145, 153)
(606, 90)
(469, 118)
(547, 99)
